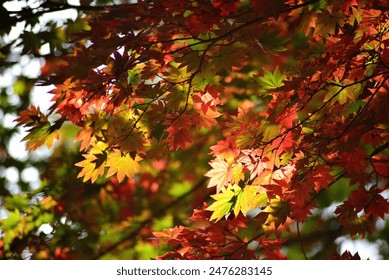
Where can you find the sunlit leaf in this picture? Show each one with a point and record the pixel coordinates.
(122, 165)
(224, 202)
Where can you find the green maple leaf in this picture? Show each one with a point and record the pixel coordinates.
(236, 199)
(327, 23)
(225, 201)
(271, 80)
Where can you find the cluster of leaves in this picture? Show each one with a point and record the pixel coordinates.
(286, 100)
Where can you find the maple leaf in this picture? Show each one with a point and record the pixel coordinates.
(301, 193)
(300, 212)
(269, 131)
(93, 166)
(31, 116)
(225, 201)
(320, 177)
(169, 233)
(237, 173)
(276, 182)
(122, 164)
(278, 212)
(286, 117)
(344, 91)
(371, 201)
(354, 224)
(40, 135)
(41, 131)
(126, 132)
(226, 149)
(380, 164)
(199, 23)
(207, 120)
(327, 23)
(234, 198)
(85, 136)
(205, 105)
(254, 162)
(226, 7)
(250, 198)
(271, 81)
(285, 143)
(179, 133)
(377, 207)
(354, 162)
(220, 174)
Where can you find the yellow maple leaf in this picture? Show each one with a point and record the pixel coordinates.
(122, 164)
(250, 198)
(93, 166)
(237, 173)
(234, 198)
(40, 136)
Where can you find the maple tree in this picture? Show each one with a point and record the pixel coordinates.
(206, 130)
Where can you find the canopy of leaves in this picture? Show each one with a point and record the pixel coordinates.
(204, 130)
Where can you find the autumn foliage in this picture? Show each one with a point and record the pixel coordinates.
(213, 130)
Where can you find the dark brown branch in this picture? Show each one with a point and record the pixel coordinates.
(379, 150)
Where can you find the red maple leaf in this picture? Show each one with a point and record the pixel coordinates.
(179, 133)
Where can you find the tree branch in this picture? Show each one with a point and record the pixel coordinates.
(379, 149)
